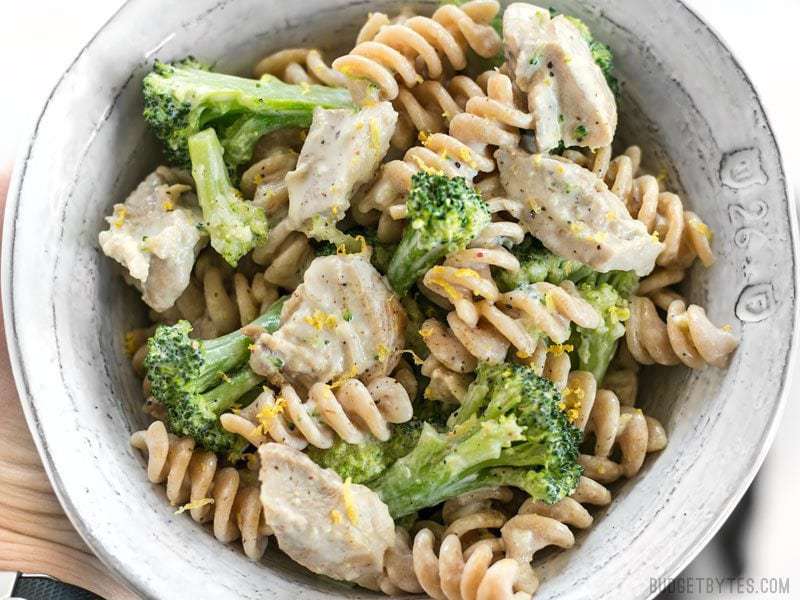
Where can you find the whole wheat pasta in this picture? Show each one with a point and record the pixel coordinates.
(388, 51)
(512, 317)
(687, 337)
(218, 495)
(299, 65)
(349, 411)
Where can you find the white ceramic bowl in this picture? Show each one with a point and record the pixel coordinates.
(685, 97)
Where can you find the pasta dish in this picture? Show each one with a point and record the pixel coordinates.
(400, 302)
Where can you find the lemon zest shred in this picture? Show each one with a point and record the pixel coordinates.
(335, 516)
(559, 349)
(549, 302)
(620, 313)
(120, 214)
(414, 356)
(465, 154)
(129, 343)
(321, 320)
(267, 413)
(702, 229)
(349, 374)
(194, 504)
(374, 134)
(383, 352)
(349, 505)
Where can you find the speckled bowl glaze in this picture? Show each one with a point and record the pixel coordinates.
(685, 97)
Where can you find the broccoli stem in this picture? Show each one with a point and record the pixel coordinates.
(184, 98)
(225, 395)
(409, 262)
(231, 350)
(234, 225)
(239, 138)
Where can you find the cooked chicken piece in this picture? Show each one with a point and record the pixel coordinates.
(336, 529)
(567, 92)
(342, 152)
(155, 236)
(342, 321)
(575, 215)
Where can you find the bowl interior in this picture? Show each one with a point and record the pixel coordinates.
(686, 102)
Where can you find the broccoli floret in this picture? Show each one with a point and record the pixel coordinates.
(365, 461)
(537, 264)
(235, 225)
(444, 215)
(183, 98)
(509, 430)
(624, 282)
(198, 380)
(608, 293)
(601, 53)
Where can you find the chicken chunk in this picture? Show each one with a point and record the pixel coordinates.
(342, 152)
(342, 321)
(567, 92)
(575, 215)
(156, 235)
(336, 529)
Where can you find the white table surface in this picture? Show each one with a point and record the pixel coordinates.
(38, 40)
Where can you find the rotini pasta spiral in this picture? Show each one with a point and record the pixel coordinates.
(635, 434)
(463, 567)
(218, 495)
(448, 576)
(687, 337)
(385, 51)
(570, 510)
(299, 66)
(656, 286)
(524, 535)
(466, 274)
(519, 317)
(349, 410)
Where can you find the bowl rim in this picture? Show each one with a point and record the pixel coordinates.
(120, 570)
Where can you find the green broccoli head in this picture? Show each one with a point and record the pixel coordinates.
(198, 380)
(594, 348)
(444, 215)
(509, 430)
(537, 264)
(364, 462)
(183, 98)
(601, 53)
(235, 225)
